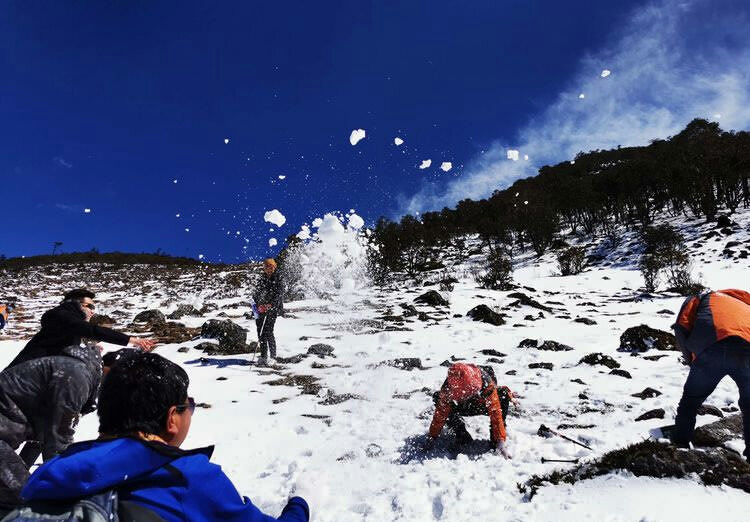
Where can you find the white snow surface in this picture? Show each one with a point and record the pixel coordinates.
(446, 166)
(366, 452)
(356, 136)
(275, 217)
(425, 164)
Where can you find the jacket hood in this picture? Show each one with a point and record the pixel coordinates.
(87, 468)
(73, 306)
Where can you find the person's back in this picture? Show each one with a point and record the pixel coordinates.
(145, 414)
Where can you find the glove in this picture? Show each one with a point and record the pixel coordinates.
(502, 450)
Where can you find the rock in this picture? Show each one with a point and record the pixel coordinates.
(719, 432)
(171, 332)
(405, 363)
(222, 379)
(554, 346)
(495, 360)
(431, 298)
(102, 320)
(647, 393)
(621, 373)
(321, 350)
(732, 244)
(232, 337)
(207, 347)
(600, 359)
(510, 372)
(423, 317)
(373, 450)
(575, 426)
(183, 310)
(541, 365)
(649, 458)
(584, 320)
(409, 309)
(528, 343)
(333, 398)
(642, 338)
(723, 221)
(294, 359)
(654, 357)
(658, 413)
(583, 396)
(491, 352)
(485, 314)
(183, 349)
(707, 409)
(524, 300)
(578, 381)
(308, 383)
(150, 317)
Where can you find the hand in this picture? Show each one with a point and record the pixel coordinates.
(145, 345)
(502, 450)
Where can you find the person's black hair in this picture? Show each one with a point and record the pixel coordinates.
(109, 359)
(78, 294)
(137, 394)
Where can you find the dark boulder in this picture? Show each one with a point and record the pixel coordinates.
(321, 350)
(541, 365)
(621, 373)
(183, 310)
(524, 300)
(719, 432)
(491, 352)
(647, 393)
(528, 343)
(658, 413)
(150, 317)
(405, 363)
(723, 221)
(707, 409)
(584, 320)
(595, 359)
(554, 346)
(485, 314)
(232, 337)
(642, 338)
(431, 298)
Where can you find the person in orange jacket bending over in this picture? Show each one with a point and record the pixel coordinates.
(471, 390)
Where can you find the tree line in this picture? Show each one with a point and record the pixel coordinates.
(695, 173)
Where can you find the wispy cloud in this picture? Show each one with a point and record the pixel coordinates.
(60, 161)
(672, 62)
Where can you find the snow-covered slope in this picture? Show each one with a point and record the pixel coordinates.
(352, 428)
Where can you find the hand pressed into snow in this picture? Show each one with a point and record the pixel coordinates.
(502, 449)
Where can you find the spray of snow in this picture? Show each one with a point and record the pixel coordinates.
(446, 166)
(398, 141)
(87, 210)
(606, 72)
(513, 154)
(356, 136)
(275, 217)
(226, 141)
(272, 242)
(425, 164)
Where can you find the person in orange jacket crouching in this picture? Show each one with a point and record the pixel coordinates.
(471, 390)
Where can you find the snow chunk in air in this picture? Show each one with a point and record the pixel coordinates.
(317, 222)
(606, 72)
(356, 136)
(446, 166)
(356, 222)
(425, 164)
(304, 233)
(275, 217)
(272, 242)
(226, 141)
(281, 176)
(581, 96)
(87, 211)
(512, 154)
(398, 141)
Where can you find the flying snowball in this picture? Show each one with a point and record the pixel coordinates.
(317, 222)
(425, 164)
(398, 141)
(526, 157)
(226, 141)
(272, 242)
(87, 211)
(356, 222)
(275, 217)
(581, 96)
(200, 256)
(512, 154)
(281, 176)
(187, 230)
(356, 136)
(606, 72)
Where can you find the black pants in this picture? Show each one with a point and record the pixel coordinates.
(13, 475)
(471, 408)
(266, 340)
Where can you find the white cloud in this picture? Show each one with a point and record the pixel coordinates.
(671, 68)
(356, 136)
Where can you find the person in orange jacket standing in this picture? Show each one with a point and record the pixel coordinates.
(5, 311)
(471, 390)
(713, 332)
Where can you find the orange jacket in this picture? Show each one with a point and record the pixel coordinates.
(712, 317)
(3, 315)
(466, 383)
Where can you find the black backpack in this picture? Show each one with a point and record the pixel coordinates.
(102, 507)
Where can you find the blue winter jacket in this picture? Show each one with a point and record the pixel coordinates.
(176, 484)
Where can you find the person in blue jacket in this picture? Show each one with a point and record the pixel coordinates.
(144, 417)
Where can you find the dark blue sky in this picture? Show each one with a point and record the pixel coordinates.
(104, 104)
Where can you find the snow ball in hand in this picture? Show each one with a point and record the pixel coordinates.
(512, 154)
(356, 136)
(275, 217)
(272, 242)
(446, 166)
(606, 72)
(425, 164)
(398, 141)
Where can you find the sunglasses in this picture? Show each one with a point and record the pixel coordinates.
(90, 306)
(189, 406)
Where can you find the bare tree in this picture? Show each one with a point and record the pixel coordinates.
(55, 245)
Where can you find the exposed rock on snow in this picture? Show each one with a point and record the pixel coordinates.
(231, 336)
(431, 298)
(524, 300)
(718, 433)
(599, 359)
(321, 350)
(183, 310)
(485, 314)
(657, 413)
(150, 317)
(647, 393)
(404, 363)
(642, 338)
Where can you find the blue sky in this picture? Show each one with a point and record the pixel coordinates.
(104, 105)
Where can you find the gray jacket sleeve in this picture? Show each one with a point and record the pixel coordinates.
(67, 394)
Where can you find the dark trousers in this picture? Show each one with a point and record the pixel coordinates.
(470, 408)
(705, 373)
(13, 475)
(266, 340)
